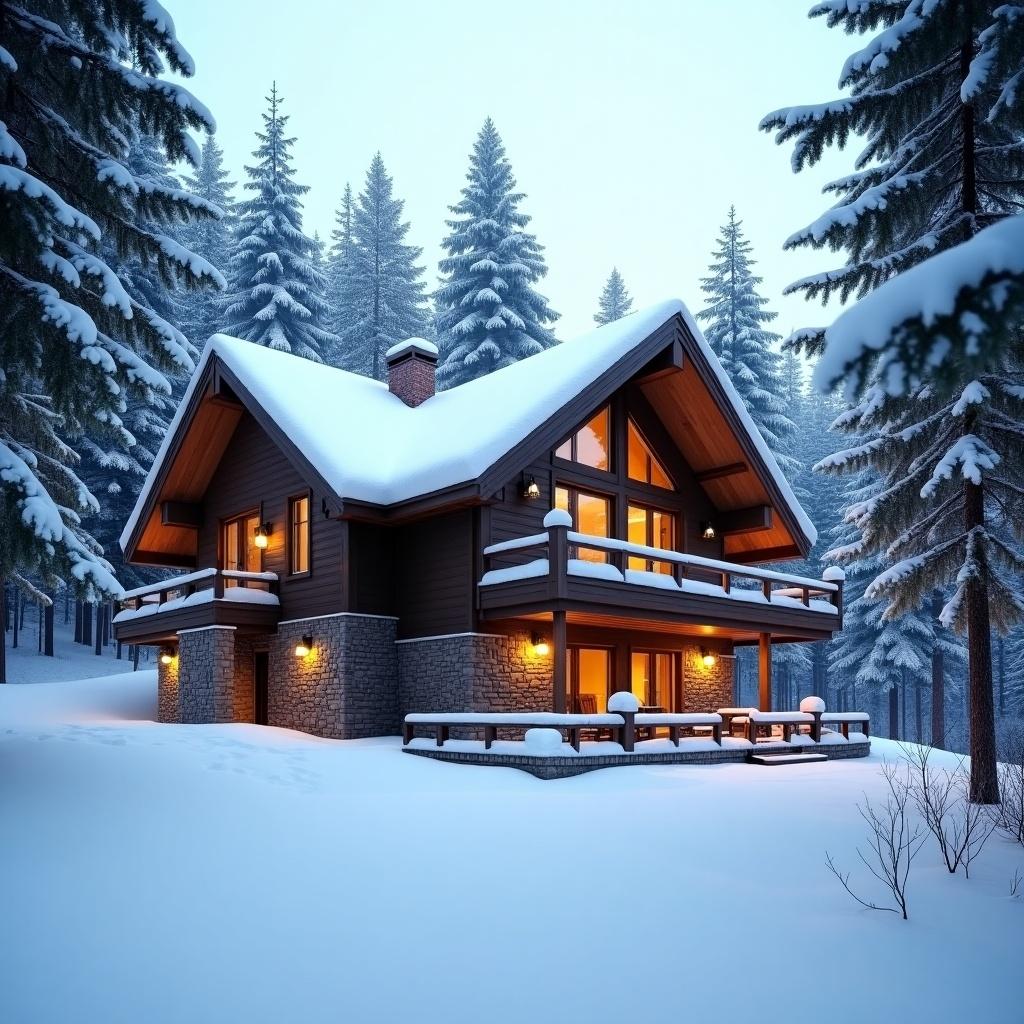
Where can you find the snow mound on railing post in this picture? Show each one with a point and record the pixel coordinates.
(558, 517)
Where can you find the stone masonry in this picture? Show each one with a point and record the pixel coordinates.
(706, 689)
(345, 688)
(168, 700)
(206, 675)
(473, 672)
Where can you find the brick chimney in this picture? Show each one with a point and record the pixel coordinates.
(412, 366)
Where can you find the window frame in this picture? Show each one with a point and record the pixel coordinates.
(573, 440)
(306, 496)
(652, 459)
(222, 524)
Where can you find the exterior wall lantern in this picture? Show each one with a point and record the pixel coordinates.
(263, 531)
(166, 656)
(540, 646)
(304, 647)
(530, 488)
(708, 658)
(707, 530)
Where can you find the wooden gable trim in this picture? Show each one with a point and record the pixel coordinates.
(220, 385)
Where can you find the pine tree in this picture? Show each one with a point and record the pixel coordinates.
(78, 343)
(211, 239)
(615, 301)
(383, 280)
(489, 314)
(932, 356)
(736, 318)
(340, 285)
(275, 295)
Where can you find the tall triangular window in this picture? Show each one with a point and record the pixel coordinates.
(642, 463)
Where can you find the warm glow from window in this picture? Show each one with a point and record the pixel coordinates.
(591, 513)
(591, 445)
(652, 528)
(590, 669)
(299, 540)
(641, 463)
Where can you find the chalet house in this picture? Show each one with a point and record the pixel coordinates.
(353, 550)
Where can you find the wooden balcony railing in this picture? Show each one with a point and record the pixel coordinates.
(561, 547)
(180, 587)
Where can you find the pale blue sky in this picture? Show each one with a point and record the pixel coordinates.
(630, 126)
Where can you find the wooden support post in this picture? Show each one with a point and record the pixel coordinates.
(764, 671)
(559, 674)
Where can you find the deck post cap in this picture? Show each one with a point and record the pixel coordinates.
(558, 517)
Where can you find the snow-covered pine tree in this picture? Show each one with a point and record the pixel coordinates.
(112, 473)
(211, 239)
(340, 290)
(79, 78)
(615, 301)
(489, 314)
(735, 319)
(934, 354)
(275, 295)
(383, 280)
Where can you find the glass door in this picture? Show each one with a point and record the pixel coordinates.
(590, 678)
(238, 546)
(653, 678)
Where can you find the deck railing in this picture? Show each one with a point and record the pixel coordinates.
(560, 543)
(191, 583)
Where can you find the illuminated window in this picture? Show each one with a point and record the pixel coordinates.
(653, 678)
(591, 445)
(298, 546)
(238, 546)
(641, 463)
(590, 676)
(591, 513)
(652, 528)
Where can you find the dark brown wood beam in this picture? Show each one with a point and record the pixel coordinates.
(671, 360)
(746, 520)
(776, 554)
(181, 513)
(559, 674)
(764, 671)
(717, 472)
(164, 558)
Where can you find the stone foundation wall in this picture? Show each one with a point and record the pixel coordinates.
(168, 699)
(244, 688)
(706, 689)
(346, 687)
(473, 672)
(206, 675)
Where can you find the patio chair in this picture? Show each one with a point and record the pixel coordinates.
(586, 704)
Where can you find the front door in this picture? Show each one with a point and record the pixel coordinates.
(261, 681)
(653, 678)
(590, 676)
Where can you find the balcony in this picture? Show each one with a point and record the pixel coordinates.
(607, 582)
(209, 597)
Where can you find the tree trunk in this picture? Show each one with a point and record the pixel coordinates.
(894, 712)
(1001, 649)
(938, 682)
(100, 613)
(3, 634)
(918, 713)
(14, 619)
(39, 627)
(78, 621)
(67, 605)
(48, 630)
(87, 624)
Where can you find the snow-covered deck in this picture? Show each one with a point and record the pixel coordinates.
(156, 612)
(578, 567)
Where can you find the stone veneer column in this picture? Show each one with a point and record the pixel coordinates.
(706, 689)
(346, 688)
(168, 702)
(206, 674)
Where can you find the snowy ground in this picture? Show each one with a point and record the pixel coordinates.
(207, 873)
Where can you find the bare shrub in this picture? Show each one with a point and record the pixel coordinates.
(1010, 816)
(893, 841)
(1016, 890)
(942, 798)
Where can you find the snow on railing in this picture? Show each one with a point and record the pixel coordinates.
(190, 581)
(557, 547)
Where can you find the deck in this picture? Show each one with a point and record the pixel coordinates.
(602, 580)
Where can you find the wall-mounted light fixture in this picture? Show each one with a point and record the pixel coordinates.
(166, 656)
(263, 532)
(304, 647)
(530, 489)
(707, 530)
(540, 645)
(708, 658)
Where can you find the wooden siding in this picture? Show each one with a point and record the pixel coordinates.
(254, 469)
(371, 568)
(434, 574)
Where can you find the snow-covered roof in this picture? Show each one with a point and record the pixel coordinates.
(357, 435)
